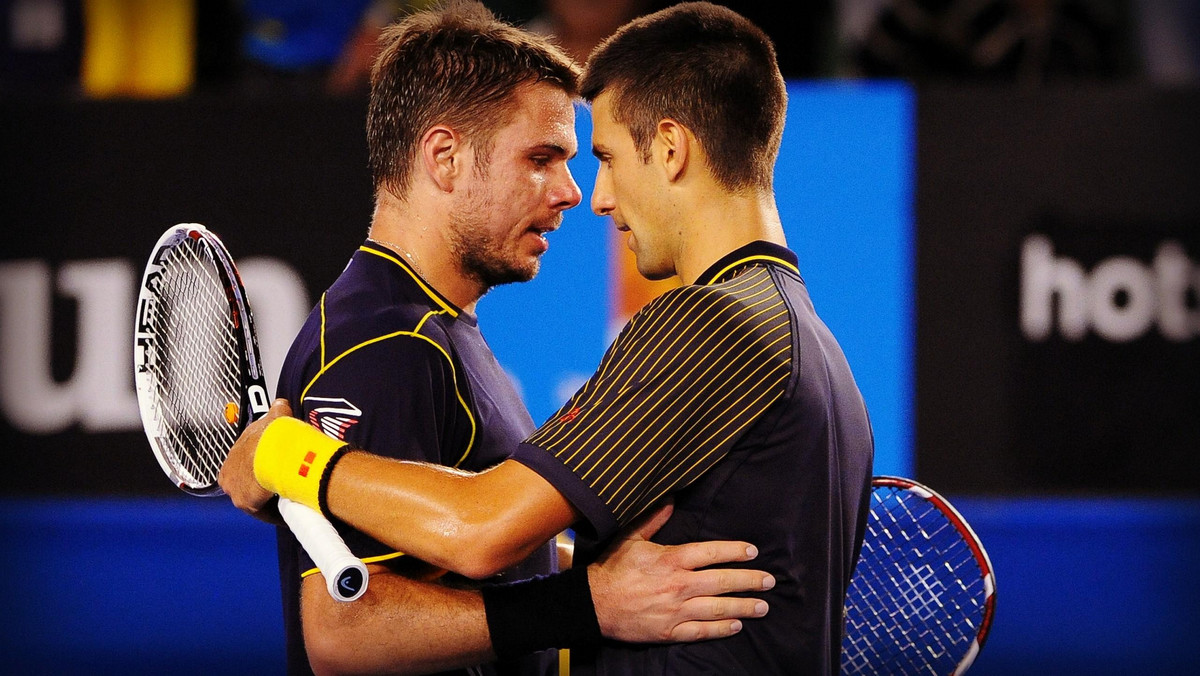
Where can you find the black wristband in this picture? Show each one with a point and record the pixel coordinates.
(323, 487)
(552, 611)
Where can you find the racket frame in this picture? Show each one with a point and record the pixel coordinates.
(253, 402)
(346, 577)
(968, 535)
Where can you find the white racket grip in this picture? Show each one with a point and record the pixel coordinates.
(345, 575)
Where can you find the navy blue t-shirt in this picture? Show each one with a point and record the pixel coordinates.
(388, 364)
(732, 397)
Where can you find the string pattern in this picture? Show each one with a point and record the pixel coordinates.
(917, 600)
(196, 368)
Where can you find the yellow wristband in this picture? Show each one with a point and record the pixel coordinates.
(291, 459)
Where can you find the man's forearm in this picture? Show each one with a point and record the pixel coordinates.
(473, 524)
(400, 626)
(476, 524)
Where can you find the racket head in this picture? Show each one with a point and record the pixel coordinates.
(923, 594)
(197, 371)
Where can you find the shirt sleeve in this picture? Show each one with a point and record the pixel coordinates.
(395, 397)
(678, 387)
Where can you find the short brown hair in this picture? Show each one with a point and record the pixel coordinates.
(707, 67)
(455, 64)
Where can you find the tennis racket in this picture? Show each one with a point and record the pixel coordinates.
(200, 383)
(923, 593)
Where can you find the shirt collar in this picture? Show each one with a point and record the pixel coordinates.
(438, 299)
(755, 252)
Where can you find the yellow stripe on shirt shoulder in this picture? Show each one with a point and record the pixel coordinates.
(323, 328)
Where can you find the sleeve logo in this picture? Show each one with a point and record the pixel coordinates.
(335, 417)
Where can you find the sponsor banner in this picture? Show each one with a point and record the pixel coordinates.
(90, 188)
(1106, 377)
(1058, 277)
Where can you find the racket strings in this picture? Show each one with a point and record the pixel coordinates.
(198, 366)
(916, 599)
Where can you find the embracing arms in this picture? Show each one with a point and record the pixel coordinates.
(475, 524)
(642, 592)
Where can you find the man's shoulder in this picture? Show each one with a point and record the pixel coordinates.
(750, 306)
(347, 333)
(360, 316)
(371, 298)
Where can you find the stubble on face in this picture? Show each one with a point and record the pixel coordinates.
(483, 257)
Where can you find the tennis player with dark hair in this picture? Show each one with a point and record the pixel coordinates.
(470, 126)
(728, 394)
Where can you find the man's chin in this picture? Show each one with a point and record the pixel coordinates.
(512, 275)
(654, 274)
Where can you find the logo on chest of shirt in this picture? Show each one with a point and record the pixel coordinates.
(334, 418)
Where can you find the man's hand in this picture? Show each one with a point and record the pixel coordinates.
(237, 474)
(650, 593)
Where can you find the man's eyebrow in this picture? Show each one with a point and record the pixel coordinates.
(553, 149)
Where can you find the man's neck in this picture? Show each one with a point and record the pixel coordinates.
(715, 227)
(420, 236)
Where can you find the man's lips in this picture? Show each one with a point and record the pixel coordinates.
(545, 227)
(540, 231)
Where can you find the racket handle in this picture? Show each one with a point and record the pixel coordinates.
(345, 575)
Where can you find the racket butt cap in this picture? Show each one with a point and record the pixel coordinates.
(349, 584)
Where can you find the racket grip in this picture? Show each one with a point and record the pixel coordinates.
(345, 575)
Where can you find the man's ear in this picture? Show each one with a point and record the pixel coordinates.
(672, 147)
(442, 155)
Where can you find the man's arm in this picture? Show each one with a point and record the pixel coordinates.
(399, 626)
(642, 592)
(475, 524)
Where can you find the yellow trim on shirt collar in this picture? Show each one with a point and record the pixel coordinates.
(416, 278)
(749, 259)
